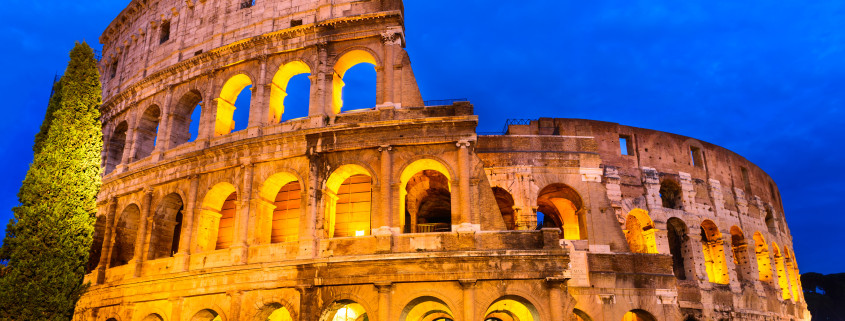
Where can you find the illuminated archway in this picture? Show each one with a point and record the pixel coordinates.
(581, 315)
(739, 247)
(792, 272)
(562, 208)
(505, 201)
(125, 235)
(153, 317)
(349, 202)
(273, 312)
(225, 123)
(207, 315)
(166, 228)
(279, 87)
(677, 235)
(345, 311)
(147, 132)
(714, 253)
(282, 193)
(186, 118)
(764, 262)
(426, 308)
(117, 143)
(425, 196)
(639, 232)
(216, 224)
(783, 278)
(638, 315)
(348, 60)
(512, 308)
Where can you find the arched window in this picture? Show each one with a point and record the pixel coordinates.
(349, 202)
(207, 315)
(792, 272)
(428, 203)
(770, 221)
(714, 253)
(739, 247)
(639, 232)
(505, 202)
(167, 227)
(561, 207)
(783, 278)
(125, 234)
(273, 312)
(670, 194)
(426, 308)
(292, 78)
(286, 215)
(638, 315)
(678, 247)
(96, 246)
(226, 229)
(764, 262)
(117, 142)
(153, 317)
(217, 218)
(147, 132)
(512, 308)
(186, 118)
(344, 64)
(233, 105)
(345, 311)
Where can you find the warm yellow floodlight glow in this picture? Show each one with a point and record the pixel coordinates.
(359, 233)
(281, 314)
(414, 168)
(639, 231)
(333, 184)
(510, 307)
(278, 90)
(348, 60)
(349, 312)
(226, 103)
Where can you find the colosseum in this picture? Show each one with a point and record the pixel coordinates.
(401, 211)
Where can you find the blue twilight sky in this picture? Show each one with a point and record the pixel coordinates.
(762, 78)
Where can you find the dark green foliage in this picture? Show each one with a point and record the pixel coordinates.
(49, 238)
(824, 295)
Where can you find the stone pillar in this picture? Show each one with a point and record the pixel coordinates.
(208, 117)
(384, 290)
(240, 247)
(235, 298)
(176, 308)
(556, 298)
(308, 225)
(259, 110)
(651, 181)
(140, 239)
(321, 103)
(468, 286)
(465, 219)
(384, 222)
(164, 126)
(105, 253)
(182, 257)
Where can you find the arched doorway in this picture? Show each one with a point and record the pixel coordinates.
(167, 227)
(426, 308)
(505, 201)
(125, 235)
(639, 232)
(714, 253)
(511, 308)
(560, 206)
(345, 310)
(679, 247)
(638, 315)
(273, 312)
(739, 247)
(207, 315)
(348, 202)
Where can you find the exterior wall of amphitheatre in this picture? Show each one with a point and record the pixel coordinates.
(401, 211)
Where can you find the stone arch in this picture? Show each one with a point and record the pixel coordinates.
(345, 61)
(225, 123)
(425, 195)
(764, 262)
(679, 247)
(426, 308)
(349, 201)
(207, 315)
(581, 315)
(505, 201)
(153, 317)
(147, 132)
(345, 310)
(783, 278)
(714, 253)
(273, 312)
(770, 221)
(670, 194)
(739, 247)
(125, 235)
(279, 85)
(640, 232)
(182, 117)
(562, 208)
(217, 215)
(167, 227)
(792, 272)
(279, 217)
(117, 143)
(512, 308)
(638, 315)
(96, 251)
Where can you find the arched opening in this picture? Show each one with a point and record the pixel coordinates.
(166, 228)
(783, 278)
(670, 194)
(764, 262)
(428, 203)
(97, 245)
(233, 105)
(273, 312)
(426, 308)
(678, 246)
(512, 308)
(357, 79)
(505, 202)
(770, 221)
(147, 132)
(739, 247)
(125, 234)
(792, 272)
(186, 118)
(207, 315)
(286, 215)
(639, 232)
(117, 142)
(153, 317)
(349, 202)
(581, 315)
(217, 218)
(714, 253)
(345, 311)
(287, 93)
(638, 315)
(560, 206)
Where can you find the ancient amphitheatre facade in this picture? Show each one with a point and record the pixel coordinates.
(401, 211)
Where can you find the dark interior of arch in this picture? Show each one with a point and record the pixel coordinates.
(428, 204)
(167, 227)
(186, 116)
(670, 194)
(548, 215)
(147, 132)
(97, 245)
(505, 202)
(677, 238)
(126, 232)
(117, 142)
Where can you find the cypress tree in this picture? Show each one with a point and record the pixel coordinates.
(52, 229)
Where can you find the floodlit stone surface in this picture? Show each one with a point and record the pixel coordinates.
(402, 211)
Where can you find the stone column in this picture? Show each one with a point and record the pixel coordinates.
(240, 247)
(321, 92)
(208, 117)
(465, 219)
(556, 298)
(384, 222)
(105, 253)
(384, 290)
(468, 286)
(164, 126)
(259, 110)
(176, 308)
(182, 257)
(138, 257)
(308, 225)
(235, 307)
